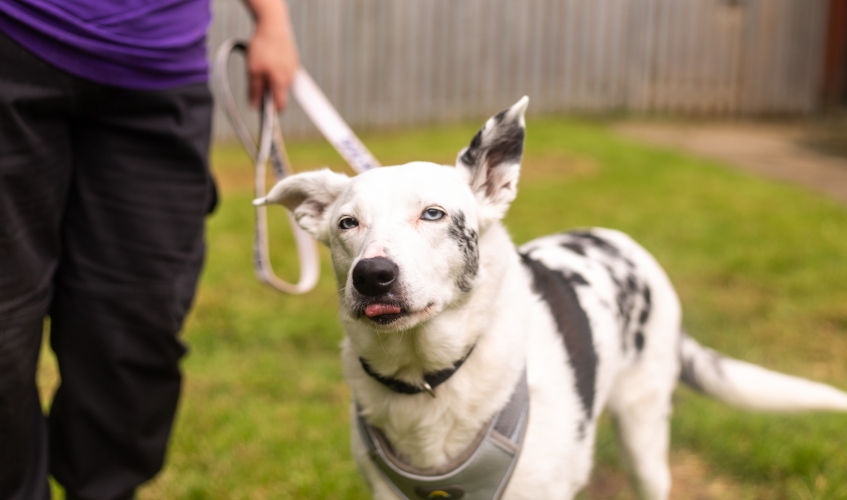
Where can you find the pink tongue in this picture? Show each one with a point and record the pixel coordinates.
(380, 309)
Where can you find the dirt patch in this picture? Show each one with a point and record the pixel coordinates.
(557, 166)
(233, 178)
(828, 135)
(692, 480)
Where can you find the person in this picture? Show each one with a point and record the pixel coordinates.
(105, 119)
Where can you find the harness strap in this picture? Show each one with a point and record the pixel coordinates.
(482, 472)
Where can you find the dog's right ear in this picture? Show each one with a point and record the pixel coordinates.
(493, 160)
(308, 196)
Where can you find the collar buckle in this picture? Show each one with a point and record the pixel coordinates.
(429, 389)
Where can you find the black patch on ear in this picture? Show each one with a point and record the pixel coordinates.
(471, 154)
(557, 290)
(466, 239)
(505, 148)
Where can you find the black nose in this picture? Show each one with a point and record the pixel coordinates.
(374, 276)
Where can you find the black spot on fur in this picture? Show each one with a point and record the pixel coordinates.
(575, 279)
(639, 341)
(590, 239)
(499, 116)
(632, 302)
(596, 241)
(557, 290)
(688, 374)
(581, 428)
(466, 239)
(623, 297)
(575, 248)
(647, 307)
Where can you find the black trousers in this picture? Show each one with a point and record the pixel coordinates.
(103, 197)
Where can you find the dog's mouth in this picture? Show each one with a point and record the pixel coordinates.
(386, 312)
(381, 312)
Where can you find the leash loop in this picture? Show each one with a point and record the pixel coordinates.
(270, 148)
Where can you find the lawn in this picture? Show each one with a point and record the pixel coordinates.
(760, 268)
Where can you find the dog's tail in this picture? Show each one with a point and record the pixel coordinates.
(752, 387)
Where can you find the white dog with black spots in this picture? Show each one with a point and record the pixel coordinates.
(429, 279)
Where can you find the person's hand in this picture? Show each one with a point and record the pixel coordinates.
(272, 58)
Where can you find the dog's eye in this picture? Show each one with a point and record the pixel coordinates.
(432, 214)
(348, 223)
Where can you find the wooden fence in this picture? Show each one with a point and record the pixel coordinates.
(389, 63)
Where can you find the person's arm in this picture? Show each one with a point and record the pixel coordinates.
(272, 58)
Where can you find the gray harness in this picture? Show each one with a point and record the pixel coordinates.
(480, 473)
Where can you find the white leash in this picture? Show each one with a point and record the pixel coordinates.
(330, 123)
(271, 147)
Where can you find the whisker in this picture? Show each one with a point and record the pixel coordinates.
(400, 340)
(416, 344)
(384, 350)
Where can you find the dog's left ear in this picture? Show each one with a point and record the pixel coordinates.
(493, 160)
(308, 196)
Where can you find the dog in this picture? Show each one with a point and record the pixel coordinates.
(448, 324)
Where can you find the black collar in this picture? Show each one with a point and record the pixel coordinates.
(431, 380)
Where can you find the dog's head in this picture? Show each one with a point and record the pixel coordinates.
(404, 239)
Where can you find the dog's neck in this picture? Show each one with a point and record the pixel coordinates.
(429, 431)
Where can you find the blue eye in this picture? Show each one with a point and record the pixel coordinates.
(432, 214)
(347, 223)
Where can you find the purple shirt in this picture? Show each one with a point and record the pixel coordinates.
(136, 44)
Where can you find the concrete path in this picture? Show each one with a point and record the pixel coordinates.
(788, 152)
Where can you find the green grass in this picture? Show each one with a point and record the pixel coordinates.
(760, 269)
